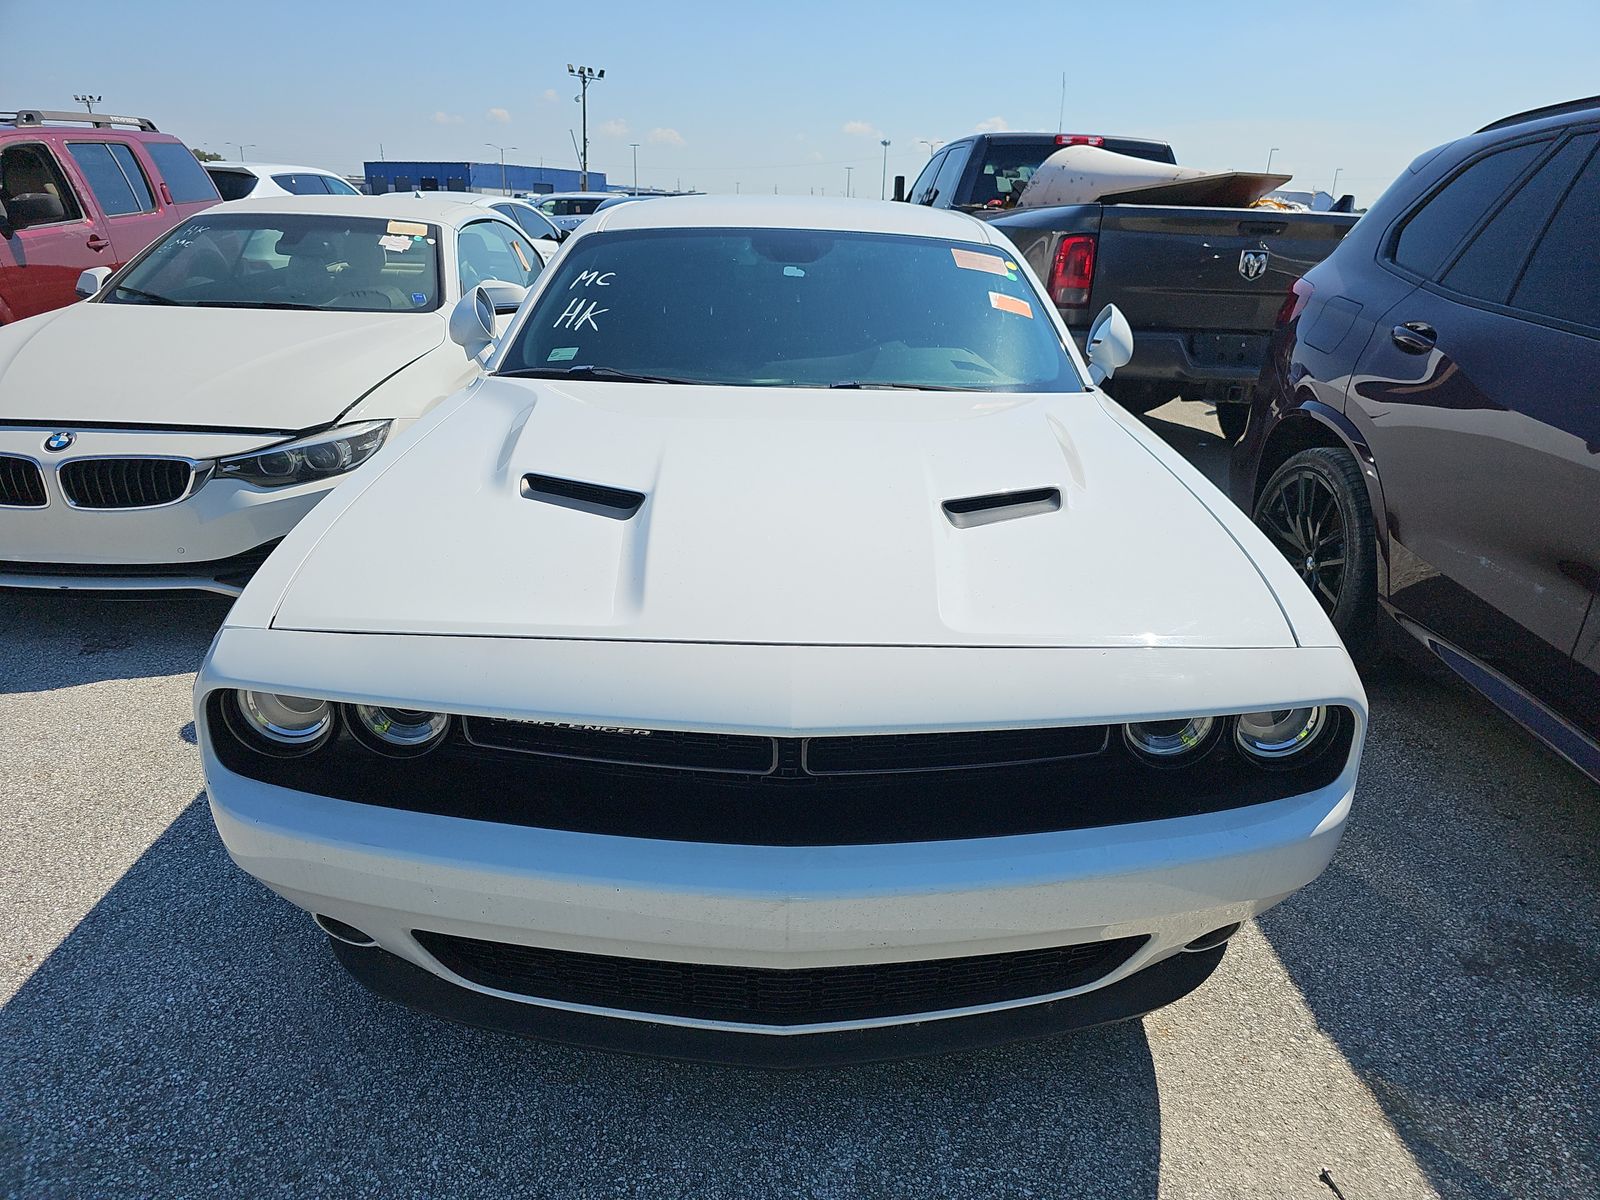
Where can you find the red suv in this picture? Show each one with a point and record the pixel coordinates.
(81, 190)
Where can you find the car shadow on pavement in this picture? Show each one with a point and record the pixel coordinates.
(194, 1035)
(1449, 949)
(61, 639)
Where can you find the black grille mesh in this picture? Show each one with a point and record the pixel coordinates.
(21, 482)
(124, 482)
(764, 996)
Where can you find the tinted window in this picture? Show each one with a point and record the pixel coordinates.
(794, 308)
(134, 174)
(186, 178)
(338, 186)
(1439, 225)
(234, 185)
(106, 180)
(534, 225)
(1561, 279)
(288, 260)
(1488, 267)
(32, 171)
(301, 185)
(489, 250)
(923, 187)
(945, 183)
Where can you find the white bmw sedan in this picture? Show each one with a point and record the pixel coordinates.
(786, 654)
(168, 432)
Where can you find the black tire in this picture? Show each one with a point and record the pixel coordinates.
(1137, 396)
(1316, 510)
(1232, 419)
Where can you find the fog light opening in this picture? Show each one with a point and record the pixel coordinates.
(1209, 941)
(340, 932)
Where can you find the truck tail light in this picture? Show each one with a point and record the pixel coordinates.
(1079, 139)
(1072, 272)
(1300, 293)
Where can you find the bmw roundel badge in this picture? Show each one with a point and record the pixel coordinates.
(59, 441)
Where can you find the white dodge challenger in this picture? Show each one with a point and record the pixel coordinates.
(786, 654)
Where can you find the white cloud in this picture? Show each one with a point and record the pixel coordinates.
(444, 118)
(862, 129)
(500, 115)
(994, 125)
(666, 137)
(549, 96)
(615, 128)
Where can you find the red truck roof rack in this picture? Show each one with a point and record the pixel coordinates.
(29, 117)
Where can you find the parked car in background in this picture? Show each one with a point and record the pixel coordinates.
(583, 766)
(82, 190)
(569, 209)
(167, 433)
(1199, 284)
(545, 234)
(1426, 438)
(236, 180)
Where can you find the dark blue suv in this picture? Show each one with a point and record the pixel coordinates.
(1425, 437)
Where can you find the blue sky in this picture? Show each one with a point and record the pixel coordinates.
(788, 95)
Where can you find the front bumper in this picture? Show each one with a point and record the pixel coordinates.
(211, 540)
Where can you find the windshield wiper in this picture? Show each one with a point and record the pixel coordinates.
(289, 304)
(590, 372)
(144, 295)
(873, 385)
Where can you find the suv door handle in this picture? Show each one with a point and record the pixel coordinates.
(1414, 337)
(98, 243)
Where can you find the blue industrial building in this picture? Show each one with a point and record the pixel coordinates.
(388, 176)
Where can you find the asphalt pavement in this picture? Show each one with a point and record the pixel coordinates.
(1422, 1021)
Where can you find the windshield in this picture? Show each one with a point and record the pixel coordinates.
(571, 206)
(281, 260)
(792, 308)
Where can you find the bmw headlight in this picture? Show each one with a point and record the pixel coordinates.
(318, 456)
(280, 725)
(1273, 736)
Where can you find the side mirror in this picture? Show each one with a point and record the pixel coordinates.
(1109, 345)
(899, 187)
(472, 323)
(91, 281)
(34, 208)
(504, 296)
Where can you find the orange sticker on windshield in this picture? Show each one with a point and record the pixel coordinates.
(1011, 304)
(410, 228)
(971, 260)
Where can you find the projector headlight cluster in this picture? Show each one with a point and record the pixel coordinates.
(319, 456)
(288, 726)
(1283, 737)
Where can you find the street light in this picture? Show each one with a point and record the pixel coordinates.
(243, 146)
(502, 149)
(1334, 191)
(1270, 153)
(931, 145)
(847, 171)
(585, 76)
(635, 146)
(883, 184)
(89, 101)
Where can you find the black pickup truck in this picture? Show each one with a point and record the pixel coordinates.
(1201, 286)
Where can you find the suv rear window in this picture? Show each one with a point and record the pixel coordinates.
(186, 178)
(301, 184)
(1436, 228)
(234, 185)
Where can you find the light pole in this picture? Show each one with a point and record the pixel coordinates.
(502, 149)
(89, 101)
(847, 171)
(585, 76)
(635, 146)
(242, 147)
(1334, 191)
(1270, 153)
(931, 145)
(883, 184)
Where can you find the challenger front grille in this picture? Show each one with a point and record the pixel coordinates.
(21, 482)
(124, 482)
(767, 996)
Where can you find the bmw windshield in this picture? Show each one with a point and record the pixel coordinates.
(791, 308)
(288, 260)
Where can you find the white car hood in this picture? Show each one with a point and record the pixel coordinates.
(223, 368)
(779, 516)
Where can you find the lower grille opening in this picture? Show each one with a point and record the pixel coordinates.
(235, 570)
(766, 996)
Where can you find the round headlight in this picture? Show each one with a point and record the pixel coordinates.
(398, 732)
(284, 725)
(1281, 733)
(1171, 743)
